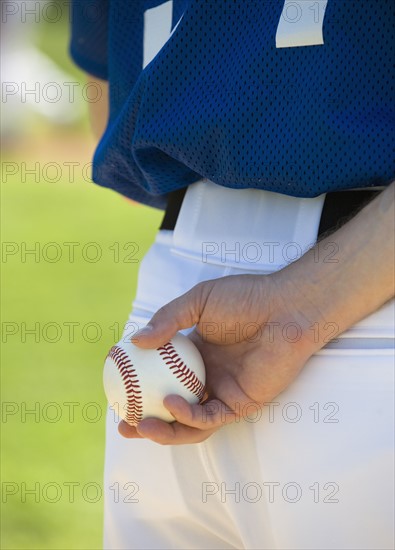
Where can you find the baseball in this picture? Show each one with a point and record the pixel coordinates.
(137, 380)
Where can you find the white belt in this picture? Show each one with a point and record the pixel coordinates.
(245, 228)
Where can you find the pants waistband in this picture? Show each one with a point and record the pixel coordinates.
(251, 228)
(339, 206)
(247, 228)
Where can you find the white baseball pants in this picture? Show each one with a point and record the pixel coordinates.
(312, 470)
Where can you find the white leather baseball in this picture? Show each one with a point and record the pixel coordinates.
(137, 380)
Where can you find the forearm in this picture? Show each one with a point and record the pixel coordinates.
(99, 110)
(359, 278)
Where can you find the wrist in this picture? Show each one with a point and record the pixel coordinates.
(299, 313)
(356, 281)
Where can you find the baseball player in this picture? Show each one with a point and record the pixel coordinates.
(265, 130)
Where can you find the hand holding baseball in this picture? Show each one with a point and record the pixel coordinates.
(137, 380)
(239, 322)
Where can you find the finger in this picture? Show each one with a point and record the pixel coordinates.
(127, 431)
(171, 434)
(211, 415)
(181, 313)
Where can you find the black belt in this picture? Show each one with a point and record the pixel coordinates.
(339, 207)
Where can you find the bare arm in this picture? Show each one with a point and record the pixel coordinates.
(360, 278)
(99, 110)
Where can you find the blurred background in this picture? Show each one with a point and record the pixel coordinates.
(70, 255)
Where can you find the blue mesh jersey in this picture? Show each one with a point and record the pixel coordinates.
(292, 97)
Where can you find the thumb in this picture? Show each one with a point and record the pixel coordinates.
(182, 312)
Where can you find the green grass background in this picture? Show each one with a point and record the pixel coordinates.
(35, 374)
(42, 372)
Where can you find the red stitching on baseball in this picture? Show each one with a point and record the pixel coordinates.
(134, 402)
(187, 377)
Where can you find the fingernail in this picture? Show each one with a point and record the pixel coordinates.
(142, 332)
